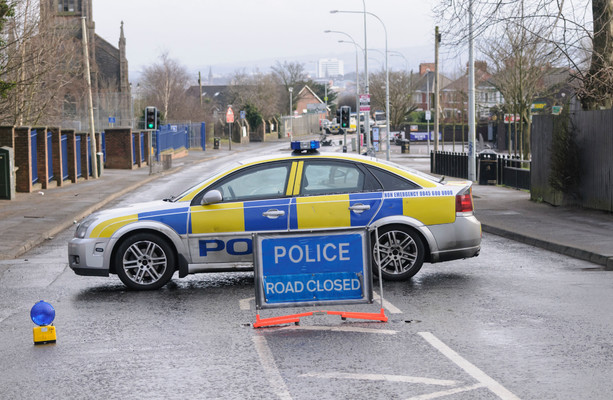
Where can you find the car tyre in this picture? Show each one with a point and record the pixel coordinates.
(144, 261)
(402, 253)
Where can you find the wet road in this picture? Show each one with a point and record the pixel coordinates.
(516, 322)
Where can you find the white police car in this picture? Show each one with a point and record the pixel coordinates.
(209, 227)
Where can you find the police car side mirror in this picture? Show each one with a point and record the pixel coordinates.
(211, 197)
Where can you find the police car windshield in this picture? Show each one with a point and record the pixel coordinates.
(208, 177)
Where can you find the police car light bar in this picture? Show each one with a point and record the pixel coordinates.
(305, 145)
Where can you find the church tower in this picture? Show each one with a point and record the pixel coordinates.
(109, 64)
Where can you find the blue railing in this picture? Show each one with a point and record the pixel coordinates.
(34, 155)
(49, 156)
(64, 157)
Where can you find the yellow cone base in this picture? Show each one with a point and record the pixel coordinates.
(44, 334)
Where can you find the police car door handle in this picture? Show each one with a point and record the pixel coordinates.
(359, 208)
(273, 213)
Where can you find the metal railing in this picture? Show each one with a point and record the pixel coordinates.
(492, 168)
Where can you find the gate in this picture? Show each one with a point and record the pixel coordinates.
(78, 151)
(5, 173)
(34, 155)
(64, 157)
(49, 156)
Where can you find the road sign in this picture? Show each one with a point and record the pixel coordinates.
(428, 115)
(229, 115)
(556, 110)
(312, 269)
(242, 115)
(511, 118)
(111, 120)
(365, 102)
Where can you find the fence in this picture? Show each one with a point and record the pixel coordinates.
(179, 136)
(45, 155)
(492, 168)
(593, 143)
(300, 125)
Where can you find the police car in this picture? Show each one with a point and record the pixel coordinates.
(210, 227)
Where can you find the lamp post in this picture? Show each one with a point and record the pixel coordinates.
(472, 161)
(428, 106)
(399, 54)
(291, 115)
(387, 71)
(357, 83)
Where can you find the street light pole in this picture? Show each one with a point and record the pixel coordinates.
(357, 84)
(387, 72)
(472, 167)
(291, 115)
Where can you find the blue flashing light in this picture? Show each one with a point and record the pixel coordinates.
(42, 313)
(305, 145)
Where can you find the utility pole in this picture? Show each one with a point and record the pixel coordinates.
(200, 86)
(437, 40)
(472, 160)
(90, 102)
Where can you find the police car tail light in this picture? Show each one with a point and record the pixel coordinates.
(305, 145)
(464, 202)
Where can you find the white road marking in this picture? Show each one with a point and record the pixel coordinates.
(386, 304)
(270, 368)
(342, 329)
(245, 304)
(468, 367)
(444, 393)
(380, 377)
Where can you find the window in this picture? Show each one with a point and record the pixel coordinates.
(391, 182)
(254, 183)
(71, 6)
(331, 177)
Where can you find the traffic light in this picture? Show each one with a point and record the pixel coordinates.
(151, 118)
(345, 113)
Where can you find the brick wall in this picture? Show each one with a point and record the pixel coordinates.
(56, 154)
(119, 148)
(23, 152)
(72, 154)
(7, 136)
(84, 156)
(42, 152)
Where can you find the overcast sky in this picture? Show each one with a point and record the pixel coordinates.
(250, 34)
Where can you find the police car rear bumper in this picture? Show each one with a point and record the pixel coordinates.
(461, 239)
(86, 257)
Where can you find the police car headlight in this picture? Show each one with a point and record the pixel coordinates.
(82, 228)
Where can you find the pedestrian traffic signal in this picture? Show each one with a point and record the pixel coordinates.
(151, 118)
(345, 113)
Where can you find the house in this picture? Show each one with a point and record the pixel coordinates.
(454, 96)
(308, 102)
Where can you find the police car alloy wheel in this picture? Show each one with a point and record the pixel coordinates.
(402, 253)
(144, 261)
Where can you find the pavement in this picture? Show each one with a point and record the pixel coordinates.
(32, 218)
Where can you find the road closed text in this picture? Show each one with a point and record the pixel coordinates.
(313, 286)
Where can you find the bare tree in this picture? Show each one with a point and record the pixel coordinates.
(6, 10)
(597, 91)
(262, 91)
(564, 24)
(40, 62)
(520, 61)
(401, 95)
(290, 75)
(164, 85)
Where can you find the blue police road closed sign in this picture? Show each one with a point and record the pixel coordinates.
(312, 269)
